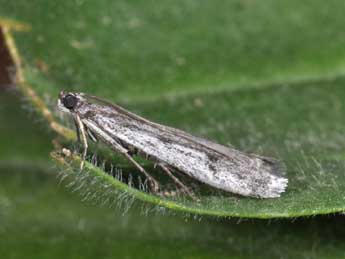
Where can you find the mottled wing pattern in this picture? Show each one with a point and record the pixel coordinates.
(214, 164)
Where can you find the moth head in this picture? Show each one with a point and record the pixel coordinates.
(68, 101)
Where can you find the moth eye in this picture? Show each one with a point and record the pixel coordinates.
(69, 101)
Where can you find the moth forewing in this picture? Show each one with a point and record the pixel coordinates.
(211, 163)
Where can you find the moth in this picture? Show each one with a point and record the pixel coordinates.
(172, 149)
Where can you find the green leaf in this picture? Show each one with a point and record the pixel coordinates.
(264, 77)
(122, 49)
(280, 122)
(23, 135)
(47, 221)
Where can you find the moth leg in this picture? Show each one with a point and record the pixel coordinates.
(83, 138)
(91, 135)
(154, 184)
(120, 148)
(77, 129)
(177, 181)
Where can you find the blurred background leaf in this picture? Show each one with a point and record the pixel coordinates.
(301, 124)
(19, 140)
(124, 49)
(262, 76)
(40, 218)
(265, 78)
